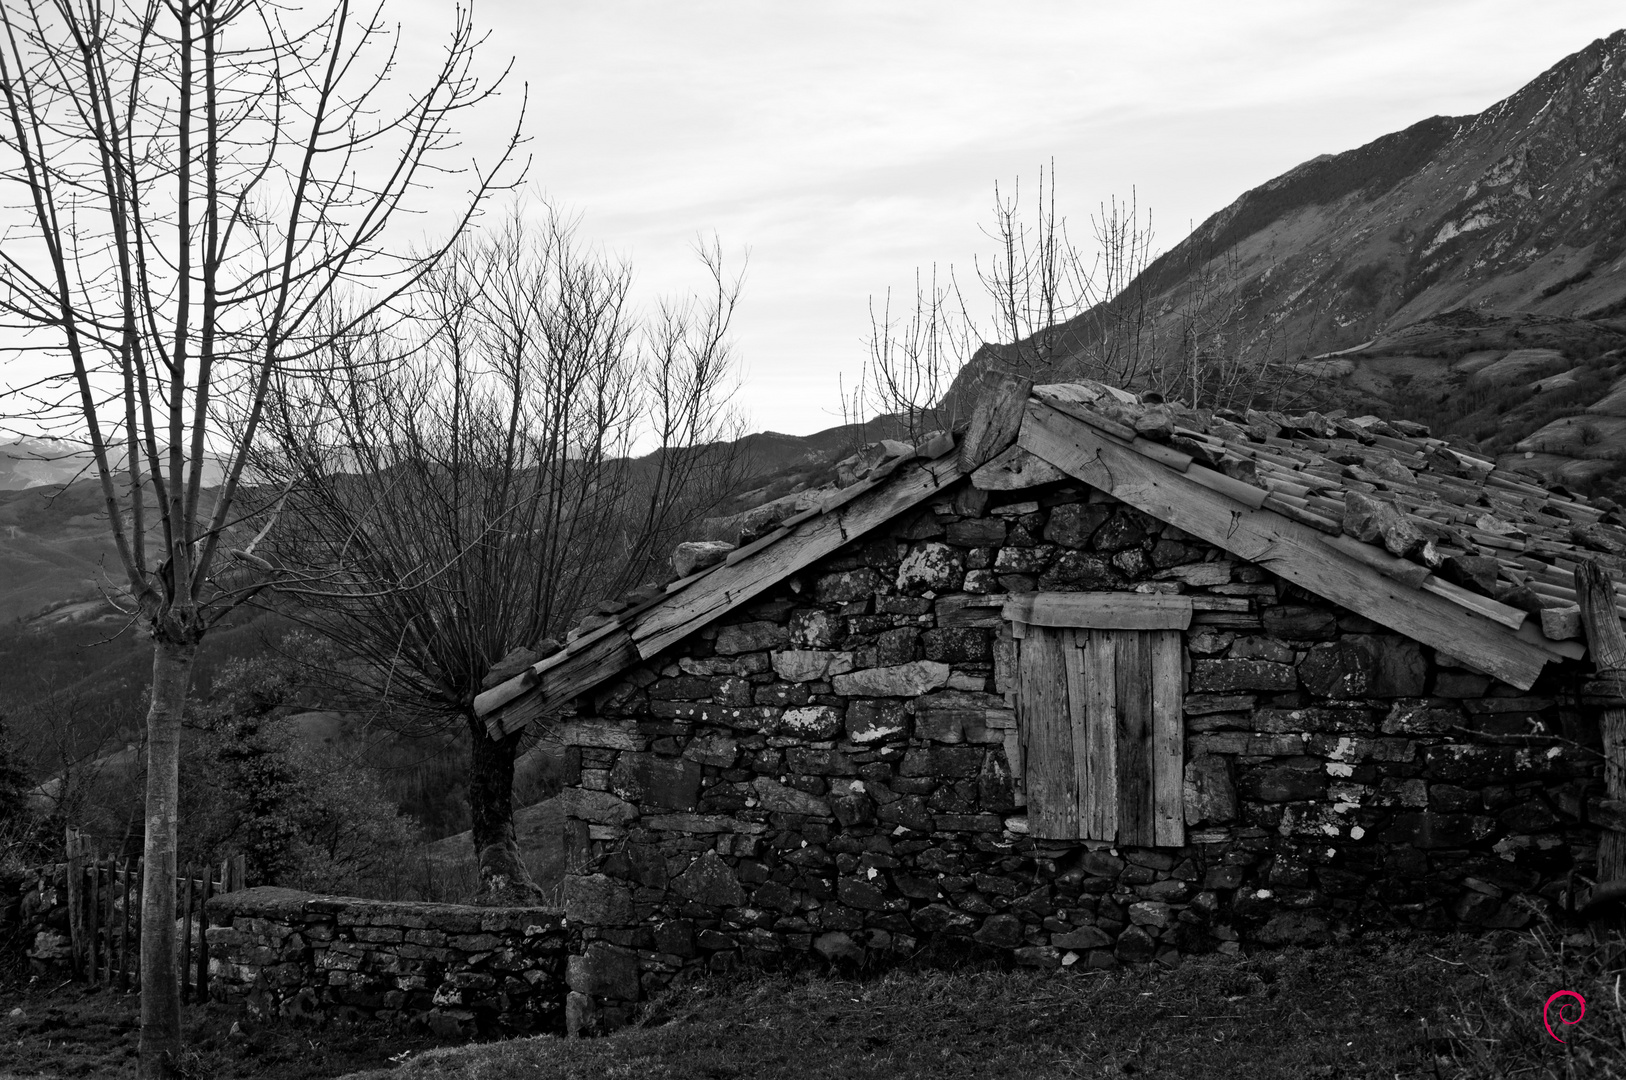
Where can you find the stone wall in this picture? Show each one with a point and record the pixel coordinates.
(829, 772)
(454, 969)
(34, 919)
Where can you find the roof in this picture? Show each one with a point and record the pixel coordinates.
(1427, 538)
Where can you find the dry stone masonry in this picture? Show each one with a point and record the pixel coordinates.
(834, 772)
(455, 970)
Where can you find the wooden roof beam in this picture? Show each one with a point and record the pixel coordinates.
(1287, 548)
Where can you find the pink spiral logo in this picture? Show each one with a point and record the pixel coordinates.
(1563, 1007)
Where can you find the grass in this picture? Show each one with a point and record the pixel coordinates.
(1380, 1006)
(60, 1030)
(1392, 1006)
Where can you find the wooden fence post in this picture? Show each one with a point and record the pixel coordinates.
(74, 848)
(93, 910)
(184, 906)
(124, 924)
(202, 992)
(1607, 644)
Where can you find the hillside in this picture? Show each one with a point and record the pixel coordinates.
(1521, 208)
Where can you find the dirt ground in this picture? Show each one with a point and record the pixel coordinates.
(69, 1030)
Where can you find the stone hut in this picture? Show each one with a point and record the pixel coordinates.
(1094, 682)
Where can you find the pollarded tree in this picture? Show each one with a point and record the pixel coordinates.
(440, 498)
(194, 182)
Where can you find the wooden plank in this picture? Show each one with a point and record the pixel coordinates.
(1047, 737)
(74, 849)
(1014, 469)
(1220, 603)
(1078, 718)
(1100, 778)
(730, 586)
(94, 912)
(1506, 615)
(1244, 493)
(1607, 643)
(995, 419)
(1101, 611)
(1289, 507)
(1133, 672)
(1406, 572)
(185, 906)
(202, 992)
(125, 918)
(561, 684)
(756, 545)
(1168, 739)
(1178, 460)
(1095, 419)
(1293, 551)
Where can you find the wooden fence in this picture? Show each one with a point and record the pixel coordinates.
(104, 915)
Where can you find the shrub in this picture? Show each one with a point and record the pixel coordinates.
(304, 816)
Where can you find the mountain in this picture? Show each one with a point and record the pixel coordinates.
(39, 462)
(1521, 208)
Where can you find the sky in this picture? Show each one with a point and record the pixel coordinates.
(834, 146)
(842, 144)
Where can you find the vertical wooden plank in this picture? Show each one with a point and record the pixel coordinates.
(1134, 679)
(185, 907)
(1073, 643)
(93, 926)
(202, 992)
(135, 908)
(1101, 757)
(124, 924)
(1168, 739)
(1047, 736)
(239, 872)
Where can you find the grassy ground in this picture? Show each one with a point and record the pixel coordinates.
(70, 1030)
(1379, 1007)
(1384, 1007)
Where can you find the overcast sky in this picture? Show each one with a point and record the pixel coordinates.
(845, 143)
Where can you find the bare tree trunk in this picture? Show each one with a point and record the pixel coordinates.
(160, 1050)
(503, 877)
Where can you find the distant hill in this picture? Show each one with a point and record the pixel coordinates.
(39, 462)
(1518, 209)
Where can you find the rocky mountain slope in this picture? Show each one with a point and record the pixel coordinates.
(1521, 208)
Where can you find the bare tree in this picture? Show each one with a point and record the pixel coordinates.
(1043, 307)
(913, 360)
(1205, 348)
(196, 181)
(474, 492)
(1049, 309)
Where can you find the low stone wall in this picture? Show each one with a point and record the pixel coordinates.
(455, 969)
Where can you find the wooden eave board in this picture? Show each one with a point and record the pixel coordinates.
(603, 659)
(1293, 551)
(1101, 611)
(731, 586)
